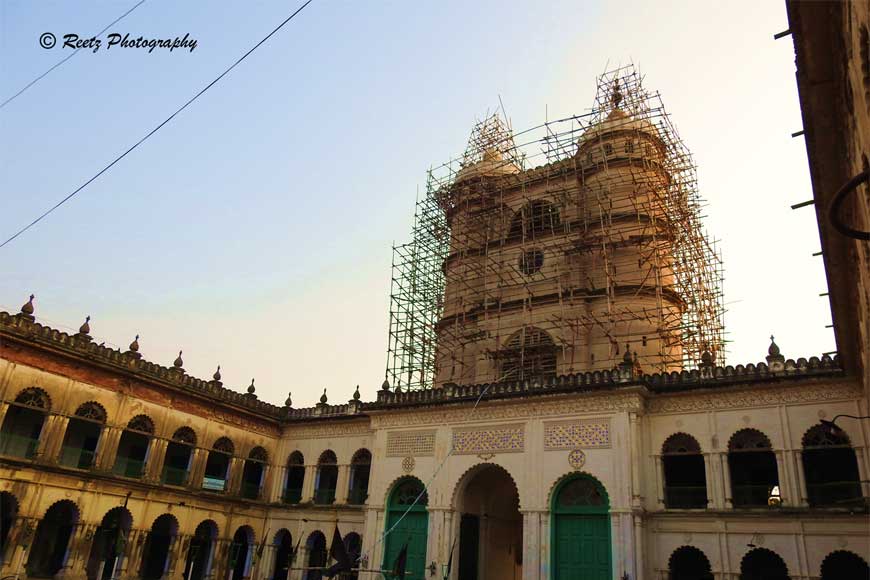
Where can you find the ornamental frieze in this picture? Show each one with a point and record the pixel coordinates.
(753, 398)
(495, 439)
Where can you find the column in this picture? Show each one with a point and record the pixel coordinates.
(308, 484)
(726, 480)
(156, 458)
(801, 499)
(544, 553)
(862, 472)
(279, 476)
(51, 438)
(660, 497)
(132, 555)
(785, 488)
(531, 544)
(175, 570)
(108, 446)
(267, 483)
(234, 480)
(639, 561)
(634, 442)
(708, 475)
(3, 408)
(197, 467)
(341, 485)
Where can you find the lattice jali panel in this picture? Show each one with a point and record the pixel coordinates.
(501, 439)
(574, 434)
(410, 443)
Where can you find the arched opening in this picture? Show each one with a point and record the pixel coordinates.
(752, 466)
(79, 448)
(581, 529)
(830, 468)
(689, 563)
(155, 556)
(528, 354)
(8, 513)
(408, 495)
(295, 478)
(762, 564)
(841, 564)
(327, 478)
(107, 547)
(283, 553)
(240, 553)
(534, 220)
(252, 473)
(217, 465)
(19, 435)
(50, 546)
(317, 556)
(685, 476)
(491, 527)
(133, 447)
(179, 455)
(360, 469)
(201, 551)
(353, 546)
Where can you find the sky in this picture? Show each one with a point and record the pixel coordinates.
(254, 231)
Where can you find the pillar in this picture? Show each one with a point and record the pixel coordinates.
(308, 484)
(51, 438)
(341, 484)
(197, 467)
(726, 480)
(80, 548)
(634, 445)
(797, 461)
(660, 502)
(531, 544)
(639, 561)
(156, 458)
(862, 472)
(708, 476)
(267, 484)
(107, 448)
(785, 487)
(234, 480)
(4, 406)
(279, 477)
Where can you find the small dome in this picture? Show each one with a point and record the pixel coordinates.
(178, 363)
(617, 120)
(773, 349)
(85, 328)
(134, 346)
(28, 306)
(386, 385)
(493, 164)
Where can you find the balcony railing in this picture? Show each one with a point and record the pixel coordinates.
(126, 467)
(213, 483)
(250, 490)
(77, 457)
(18, 446)
(357, 496)
(292, 496)
(174, 476)
(686, 497)
(324, 496)
(834, 494)
(751, 495)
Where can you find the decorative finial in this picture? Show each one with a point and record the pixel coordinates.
(627, 356)
(251, 388)
(616, 97)
(773, 349)
(323, 397)
(356, 394)
(386, 385)
(217, 374)
(398, 389)
(289, 401)
(707, 357)
(134, 346)
(28, 306)
(85, 328)
(178, 362)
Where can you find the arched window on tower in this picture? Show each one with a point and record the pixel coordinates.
(360, 469)
(179, 455)
(133, 447)
(253, 472)
(830, 468)
(217, 466)
(295, 478)
(82, 436)
(327, 478)
(752, 466)
(22, 426)
(534, 220)
(528, 354)
(684, 471)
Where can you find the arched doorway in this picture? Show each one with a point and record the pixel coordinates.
(51, 543)
(353, 545)
(408, 495)
(580, 530)
(689, 563)
(762, 564)
(491, 528)
(240, 552)
(843, 564)
(317, 556)
(155, 556)
(283, 551)
(200, 552)
(110, 539)
(8, 513)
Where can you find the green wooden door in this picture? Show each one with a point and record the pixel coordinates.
(412, 529)
(581, 531)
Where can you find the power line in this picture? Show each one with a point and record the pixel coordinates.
(72, 54)
(158, 127)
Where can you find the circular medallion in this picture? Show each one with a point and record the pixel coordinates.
(408, 464)
(577, 458)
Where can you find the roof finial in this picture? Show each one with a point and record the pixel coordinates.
(134, 346)
(251, 388)
(386, 385)
(178, 363)
(616, 96)
(773, 349)
(85, 328)
(356, 394)
(217, 374)
(323, 398)
(289, 401)
(28, 306)
(627, 356)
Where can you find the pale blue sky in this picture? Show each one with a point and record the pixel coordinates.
(255, 231)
